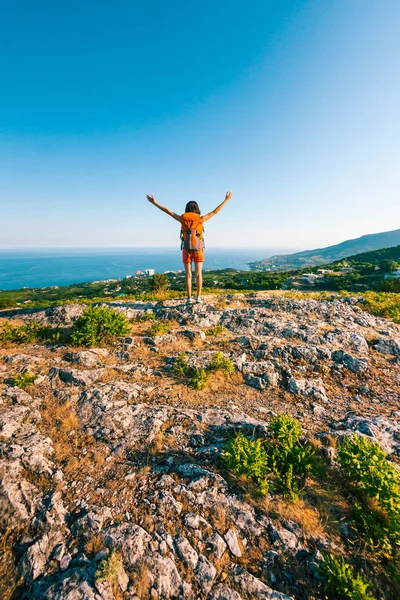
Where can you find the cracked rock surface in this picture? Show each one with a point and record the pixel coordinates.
(112, 456)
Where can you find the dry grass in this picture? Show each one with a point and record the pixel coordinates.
(300, 512)
(219, 519)
(9, 577)
(94, 545)
(142, 582)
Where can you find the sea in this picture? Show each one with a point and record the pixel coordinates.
(37, 268)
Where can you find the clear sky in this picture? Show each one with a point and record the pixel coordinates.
(292, 104)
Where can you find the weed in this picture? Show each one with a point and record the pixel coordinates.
(99, 324)
(159, 327)
(28, 333)
(341, 582)
(219, 362)
(249, 458)
(289, 460)
(214, 331)
(148, 316)
(108, 568)
(282, 456)
(180, 366)
(24, 380)
(377, 485)
(198, 378)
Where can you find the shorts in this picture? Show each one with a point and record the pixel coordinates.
(197, 257)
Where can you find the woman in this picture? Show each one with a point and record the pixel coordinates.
(192, 239)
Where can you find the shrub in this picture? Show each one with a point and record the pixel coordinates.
(6, 303)
(282, 456)
(24, 380)
(99, 324)
(340, 581)
(290, 461)
(198, 378)
(108, 568)
(148, 316)
(29, 332)
(377, 481)
(214, 331)
(220, 363)
(159, 327)
(383, 304)
(180, 366)
(158, 282)
(248, 457)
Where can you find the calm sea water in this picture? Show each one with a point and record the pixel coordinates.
(41, 268)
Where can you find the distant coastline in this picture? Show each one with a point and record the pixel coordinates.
(42, 267)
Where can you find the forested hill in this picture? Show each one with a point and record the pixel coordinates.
(320, 256)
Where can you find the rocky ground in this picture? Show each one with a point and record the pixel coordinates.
(110, 452)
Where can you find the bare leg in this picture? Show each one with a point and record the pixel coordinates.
(199, 277)
(188, 274)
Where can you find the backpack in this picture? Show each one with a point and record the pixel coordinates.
(192, 239)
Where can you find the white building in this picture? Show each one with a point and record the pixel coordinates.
(149, 272)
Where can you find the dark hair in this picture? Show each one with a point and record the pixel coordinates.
(192, 207)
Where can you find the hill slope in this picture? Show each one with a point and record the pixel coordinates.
(113, 475)
(319, 256)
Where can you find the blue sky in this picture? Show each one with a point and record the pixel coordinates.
(292, 104)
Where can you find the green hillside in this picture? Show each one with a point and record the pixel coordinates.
(320, 256)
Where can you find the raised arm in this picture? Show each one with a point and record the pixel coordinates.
(208, 216)
(152, 200)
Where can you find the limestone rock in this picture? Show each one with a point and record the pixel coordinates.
(186, 552)
(75, 376)
(18, 497)
(233, 542)
(130, 540)
(223, 592)
(310, 388)
(205, 574)
(252, 587)
(379, 429)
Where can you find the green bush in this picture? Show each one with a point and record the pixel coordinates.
(28, 333)
(340, 581)
(214, 331)
(283, 456)
(248, 457)
(148, 316)
(99, 324)
(180, 366)
(6, 303)
(290, 461)
(383, 304)
(159, 327)
(24, 380)
(220, 363)
(374, 478)
(198, 378)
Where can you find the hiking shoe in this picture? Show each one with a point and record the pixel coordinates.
(189, 301)
(199, 300)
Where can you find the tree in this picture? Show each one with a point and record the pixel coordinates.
(388, 266)
(159, 282)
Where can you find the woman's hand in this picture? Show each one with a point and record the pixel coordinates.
(228, 195)
(151, 198)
